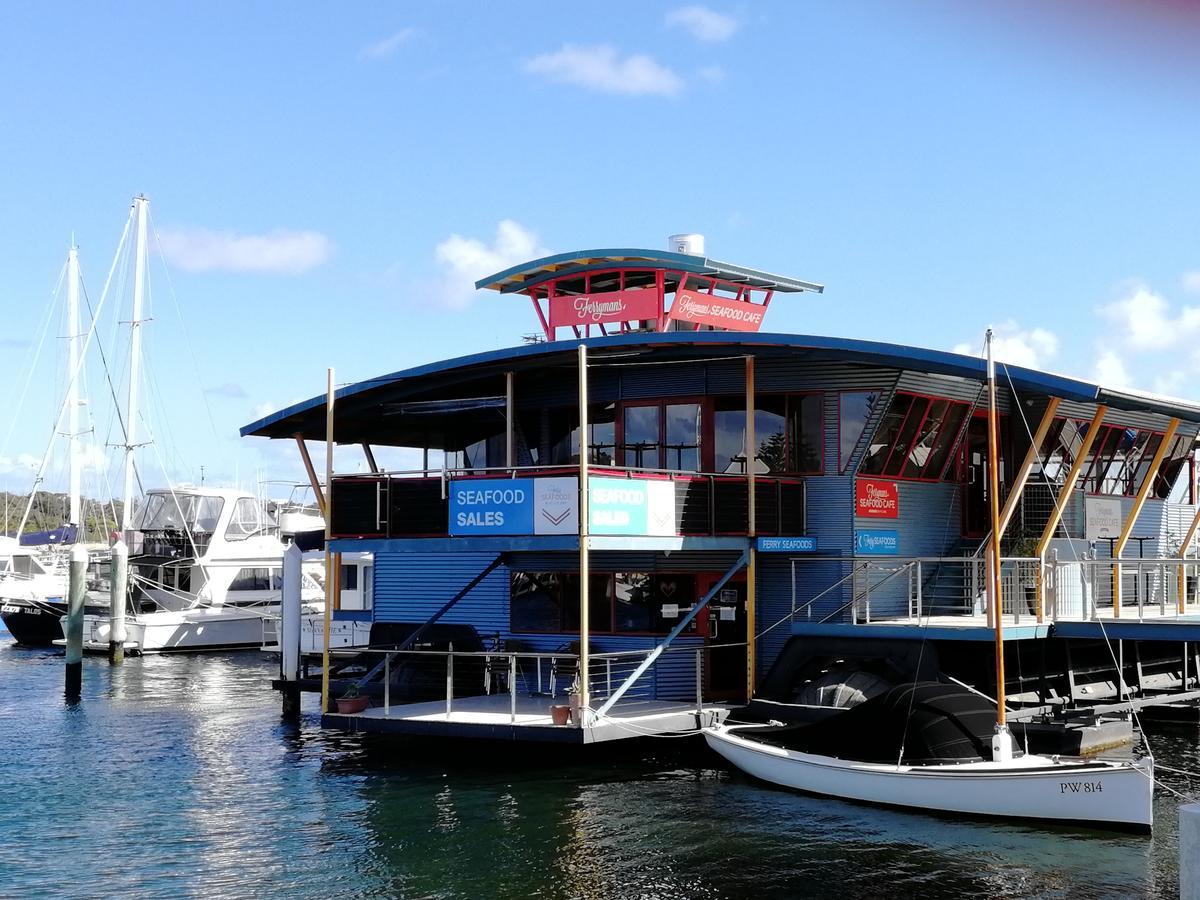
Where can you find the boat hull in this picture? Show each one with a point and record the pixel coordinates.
(37, 625)
(190, 631)
(1102, 794)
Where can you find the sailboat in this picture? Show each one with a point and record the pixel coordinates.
(927, 746)
(33, 569)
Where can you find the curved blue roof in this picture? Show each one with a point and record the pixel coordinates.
(289, 421)
(527, 274)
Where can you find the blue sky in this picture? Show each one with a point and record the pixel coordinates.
(327, 181)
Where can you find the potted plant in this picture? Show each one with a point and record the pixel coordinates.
(1026, 547)
(573, 701)
(352, 701)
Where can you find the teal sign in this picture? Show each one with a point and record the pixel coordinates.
(631, 506)
(877, 542)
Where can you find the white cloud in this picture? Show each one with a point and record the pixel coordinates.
(389, 45)
(1012, 344)
(703, 24)
(280, 252)
(1111, 370)
(1145, 321)
(21, 464)
(262, 410)
(601, 68)
(465, 260)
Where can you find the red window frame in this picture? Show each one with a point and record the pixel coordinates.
(929, 401)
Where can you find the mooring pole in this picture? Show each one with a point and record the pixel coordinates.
(116, 603)
(76, 589)
(289, 632)
(1189, 852)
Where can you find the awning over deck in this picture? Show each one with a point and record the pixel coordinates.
(370, 411)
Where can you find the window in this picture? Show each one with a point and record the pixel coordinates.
(368, 592)
(682, 448)
(915, 438)
(618, 603)
(788, 429)
(256, 579)
(349, 578)
(854, 411)
(247, 520)
(602, 436)
(642, 437)
(1121, 460)
(1178, 460)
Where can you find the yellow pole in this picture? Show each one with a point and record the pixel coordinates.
(1183, 550)
(1022, 476)
(1064, 496)
(752, 531)
(329, 588)
(1138, 502)
(584, 572)
(994, 506)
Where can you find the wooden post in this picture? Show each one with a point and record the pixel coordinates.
(76, 591)
(328, 511)
(1022, 476)
(1138, 502)
(584, 572)
(752, 529)
(1064, 495)
(312, 475)
(1183, 551)
(116, 603)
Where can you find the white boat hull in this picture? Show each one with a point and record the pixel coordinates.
(190, 630)
(1110, 794)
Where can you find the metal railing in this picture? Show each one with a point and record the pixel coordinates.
(416, 504)
(453, 677)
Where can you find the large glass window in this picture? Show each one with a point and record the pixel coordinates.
(915, 438)
(642, 437)
(621, 603)
(805, 433)
(1121, 460)
(854, 411)
(729, 435)
(682, 448)
(1177, 462)
(247, 520)
(602, 436)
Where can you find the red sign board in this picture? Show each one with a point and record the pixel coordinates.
(708, 309)
(876, 499)
(596, 309)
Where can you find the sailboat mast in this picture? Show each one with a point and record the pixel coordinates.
(73, 337)
(135, 354)
(994, 543)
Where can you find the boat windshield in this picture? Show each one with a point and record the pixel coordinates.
(179, 512)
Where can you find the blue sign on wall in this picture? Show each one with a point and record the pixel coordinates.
(786, 545)
(499, 506)
(877, 542)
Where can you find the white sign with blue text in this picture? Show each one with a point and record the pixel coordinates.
(514, 506)
(877, 542)
(631, 507)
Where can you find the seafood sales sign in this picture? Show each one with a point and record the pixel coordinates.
(876, 499)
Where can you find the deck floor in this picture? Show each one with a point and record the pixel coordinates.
(493, 717)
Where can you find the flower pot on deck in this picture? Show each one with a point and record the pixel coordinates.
(351, 704)
(560, 714)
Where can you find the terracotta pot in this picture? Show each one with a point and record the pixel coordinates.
(559, 714)
(352, 704)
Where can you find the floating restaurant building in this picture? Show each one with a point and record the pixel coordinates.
(727, 513)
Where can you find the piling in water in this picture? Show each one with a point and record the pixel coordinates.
(116, 602)
(76, 591)
(1189, 852)
(289, 632)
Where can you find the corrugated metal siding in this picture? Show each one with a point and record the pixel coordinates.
(1125, 418)
(948, 386)
(411, 587)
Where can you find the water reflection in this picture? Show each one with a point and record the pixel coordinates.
(177, 776)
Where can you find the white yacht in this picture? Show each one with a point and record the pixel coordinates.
(205, 573)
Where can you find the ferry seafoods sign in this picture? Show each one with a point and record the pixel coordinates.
(513, 506)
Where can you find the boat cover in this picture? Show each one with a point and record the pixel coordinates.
(933, 722)
(64, 535)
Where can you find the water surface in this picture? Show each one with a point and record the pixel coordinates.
(176, 777)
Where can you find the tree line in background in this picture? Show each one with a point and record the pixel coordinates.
(50, 511)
